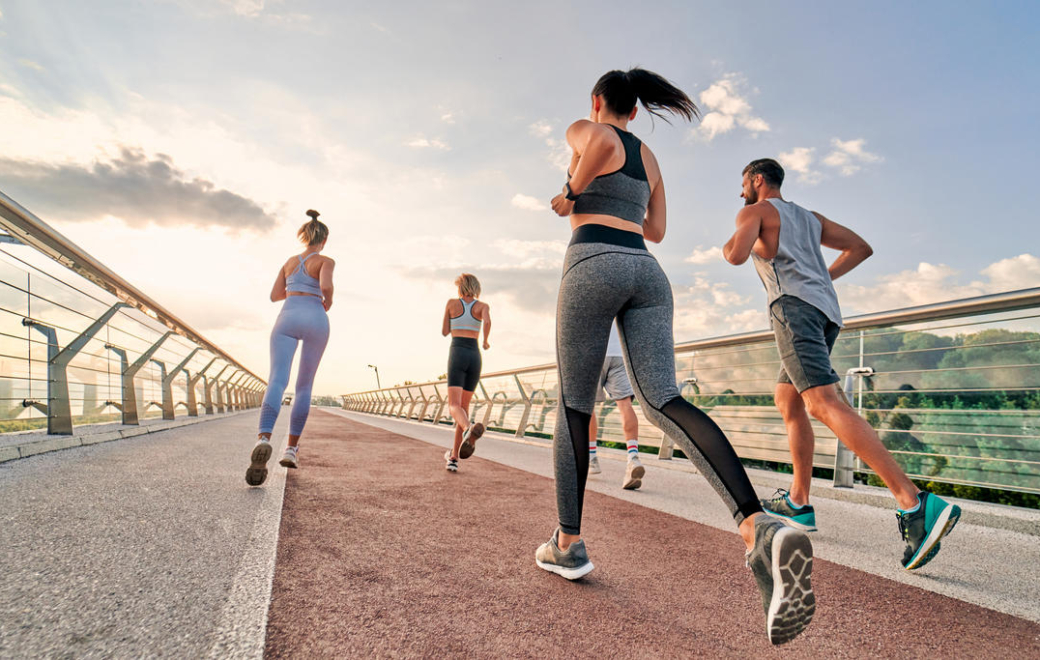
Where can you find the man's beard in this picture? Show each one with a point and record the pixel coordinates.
(751, 198)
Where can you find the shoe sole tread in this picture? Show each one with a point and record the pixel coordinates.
(793, 603)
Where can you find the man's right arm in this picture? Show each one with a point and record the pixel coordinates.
(854, 250)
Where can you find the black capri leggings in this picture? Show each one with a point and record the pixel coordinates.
(464, 363)
(608, 273)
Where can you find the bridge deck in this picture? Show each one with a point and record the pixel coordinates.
(154, 546)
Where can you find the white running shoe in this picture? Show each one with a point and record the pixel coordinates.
(450, 464)
(289, 458)
(594, 465)
(633, 474)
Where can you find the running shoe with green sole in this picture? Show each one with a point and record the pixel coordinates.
(799, 517)
(924, 527)
(782, 562)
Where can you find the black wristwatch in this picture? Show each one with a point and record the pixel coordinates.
(570, 193)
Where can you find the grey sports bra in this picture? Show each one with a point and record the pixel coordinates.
(465, 320)
(624, 193)
(300, 282)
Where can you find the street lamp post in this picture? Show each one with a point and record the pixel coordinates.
(378, 384)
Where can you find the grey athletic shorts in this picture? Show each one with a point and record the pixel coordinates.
(614, 379)
(804, 337)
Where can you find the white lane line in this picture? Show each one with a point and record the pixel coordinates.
(242, 628)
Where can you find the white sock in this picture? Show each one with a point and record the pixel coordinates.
(633, 448)
(592, 448)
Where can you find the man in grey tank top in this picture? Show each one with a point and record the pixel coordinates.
(784, 241)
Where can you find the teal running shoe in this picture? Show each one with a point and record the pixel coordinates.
(924, 527)
(799, 517)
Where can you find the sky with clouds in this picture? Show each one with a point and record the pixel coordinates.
(180, 141)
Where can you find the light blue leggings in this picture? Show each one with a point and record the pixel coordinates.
(302, 318)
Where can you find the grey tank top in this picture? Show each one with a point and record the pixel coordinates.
(465, 320)
(798, 269)
(624, 193)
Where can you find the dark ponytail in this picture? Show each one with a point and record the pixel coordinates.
(622, 89)
(314, 232)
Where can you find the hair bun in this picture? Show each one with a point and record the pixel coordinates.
(313, 214)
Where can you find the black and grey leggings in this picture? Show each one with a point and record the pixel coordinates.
(609, 273)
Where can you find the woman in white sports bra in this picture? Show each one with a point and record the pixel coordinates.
(463, 317)
(304, 282)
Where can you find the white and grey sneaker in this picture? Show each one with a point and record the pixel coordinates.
(633, 474)
(572, 564)
(257, 471)
(782, 562)
(290, 458)
(594, 467)
(451, 464)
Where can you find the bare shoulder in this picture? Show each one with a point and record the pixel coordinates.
(327, 260)
(483, 306)
(653, 169)
(454, 306)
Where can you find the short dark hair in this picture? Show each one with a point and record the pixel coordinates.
(769, 169)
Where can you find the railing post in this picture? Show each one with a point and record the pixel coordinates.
(193, 405)
(411, 406)
(59, 407)
(422, 408)
(490, 404)
(522, 426)
(168, 387)
(211, 383)
(217, 389)
(441, 402)
(844, 459)
(400, 408)
(233, 390)
(130, 414)
(167, 393)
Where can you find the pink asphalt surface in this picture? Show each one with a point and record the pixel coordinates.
(383, 553)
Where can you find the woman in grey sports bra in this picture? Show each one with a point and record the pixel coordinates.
(464, 317)
(615, 199)
(304, 282)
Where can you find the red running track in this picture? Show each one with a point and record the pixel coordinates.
(383, 553)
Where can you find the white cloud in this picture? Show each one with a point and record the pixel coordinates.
(525, 249)
(728, 109)
(709, 309)
(1021, 272)
(380, 28)
(931, 283)
(848, 156)
(540, 129)
(422, 142)
(559, 151)
(704, 255)
(448, 118)
(528, 203)
(250, 8)
(29, 64)
(800, 160)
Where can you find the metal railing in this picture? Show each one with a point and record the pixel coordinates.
(86, 346)
(953, 390)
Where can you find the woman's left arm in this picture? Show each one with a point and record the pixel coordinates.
(487, 325)
(278, 290)
(325, 281)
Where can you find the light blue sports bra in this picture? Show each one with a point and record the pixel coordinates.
(300, 282)
(466, 320)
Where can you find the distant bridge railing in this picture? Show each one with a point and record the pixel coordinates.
(953, 390)
(79, 344)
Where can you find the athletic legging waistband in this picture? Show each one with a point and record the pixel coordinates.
(594, 233)
(465, 342)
